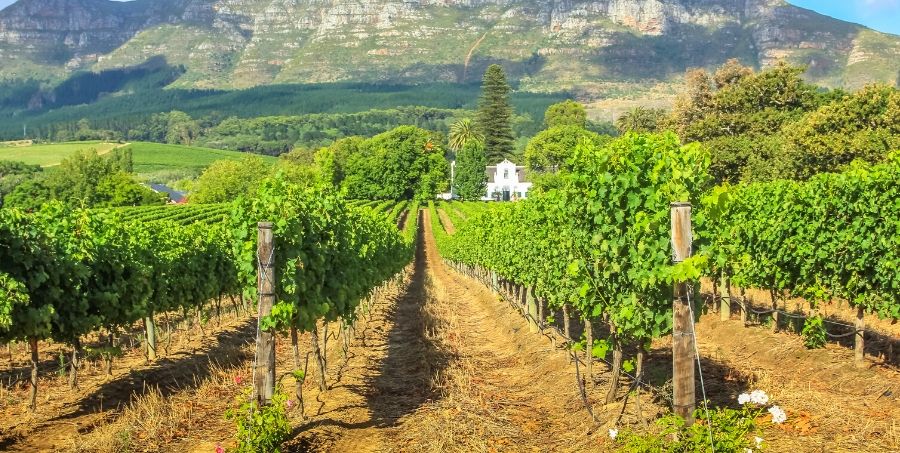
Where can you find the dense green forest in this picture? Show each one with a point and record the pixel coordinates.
(119, 104)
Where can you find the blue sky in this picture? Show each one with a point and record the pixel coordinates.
(882, 15)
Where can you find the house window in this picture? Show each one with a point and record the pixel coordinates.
(505, 174)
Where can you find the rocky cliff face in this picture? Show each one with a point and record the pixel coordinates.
(574, 44)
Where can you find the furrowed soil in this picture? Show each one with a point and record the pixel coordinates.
(437, 362)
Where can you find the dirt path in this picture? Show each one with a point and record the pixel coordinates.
(450, 368)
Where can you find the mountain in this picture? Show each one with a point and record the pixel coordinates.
(587, 46)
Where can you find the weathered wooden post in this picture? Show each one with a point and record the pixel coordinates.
(684, 399)
(531, 303)
(150, 328)
(725, 305)
(859, 344)
(264, 373)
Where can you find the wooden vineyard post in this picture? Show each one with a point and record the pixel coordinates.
(684, 399)
(725, 305)
(859, 343)
(531, 303)
(264, 373)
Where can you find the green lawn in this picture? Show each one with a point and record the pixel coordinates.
(48, 155)
(154, 161)
(157, 157)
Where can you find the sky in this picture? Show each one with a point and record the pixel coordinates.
(882, 15)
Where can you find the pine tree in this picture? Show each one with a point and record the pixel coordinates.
(470, 181)
(495, 114)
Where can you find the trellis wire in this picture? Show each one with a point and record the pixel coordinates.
(690, 304)
(747, 307)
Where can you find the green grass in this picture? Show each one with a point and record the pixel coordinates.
(153, 161)
(52, 154)
(157, 157)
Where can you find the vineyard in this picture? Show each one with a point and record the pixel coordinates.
(293, 318)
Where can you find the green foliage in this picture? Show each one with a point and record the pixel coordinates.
(640, 119)
(600, 242)
(814, 335)
(226, 180)
(329, 255)
(731, 431)
(14, 173)
(835, 236)
(120, 189)
(462, 132)
(864, 125)
(84, 270)
(12, 293)
(315, 119)
(550, 150)
(180, 128)
(404, 163)
(260, 429)
(85, 179)
(495, 114)
(566, 113)
(470, 179)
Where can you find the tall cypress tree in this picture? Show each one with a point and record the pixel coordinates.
(495, 114)
(471, 180)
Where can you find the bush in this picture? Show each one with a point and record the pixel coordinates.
(261, 429)
(733, 430)
(814, 332)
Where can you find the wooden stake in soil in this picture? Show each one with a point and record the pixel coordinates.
(859, 345)
(264, 374)
(589, 352)
(725, 306)
(684, 399)
(33, 342)
(320, 361)
(531, 303)
(73, 366)
(616, 370)
(150, 328)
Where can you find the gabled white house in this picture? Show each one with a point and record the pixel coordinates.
(506, 181)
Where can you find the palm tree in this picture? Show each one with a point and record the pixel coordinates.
(462, 132)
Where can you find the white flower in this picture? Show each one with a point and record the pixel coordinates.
(778, 415)
(758, 441)
(759, 397)
(743, 398)
(613, 433)
(748, 450)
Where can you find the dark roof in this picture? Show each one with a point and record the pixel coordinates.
(174, 195)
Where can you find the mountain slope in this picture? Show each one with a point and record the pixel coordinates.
(546, 44)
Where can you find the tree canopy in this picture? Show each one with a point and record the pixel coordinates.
(566, 113)
(470, 180)
(550, 150)
(495, 114)
(404, 163)
(87, 179)
(225, 180)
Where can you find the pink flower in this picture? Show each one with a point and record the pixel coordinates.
(289, 404)
(238, 380)
(219, 448)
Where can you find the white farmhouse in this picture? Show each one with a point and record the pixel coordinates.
(506, 181)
